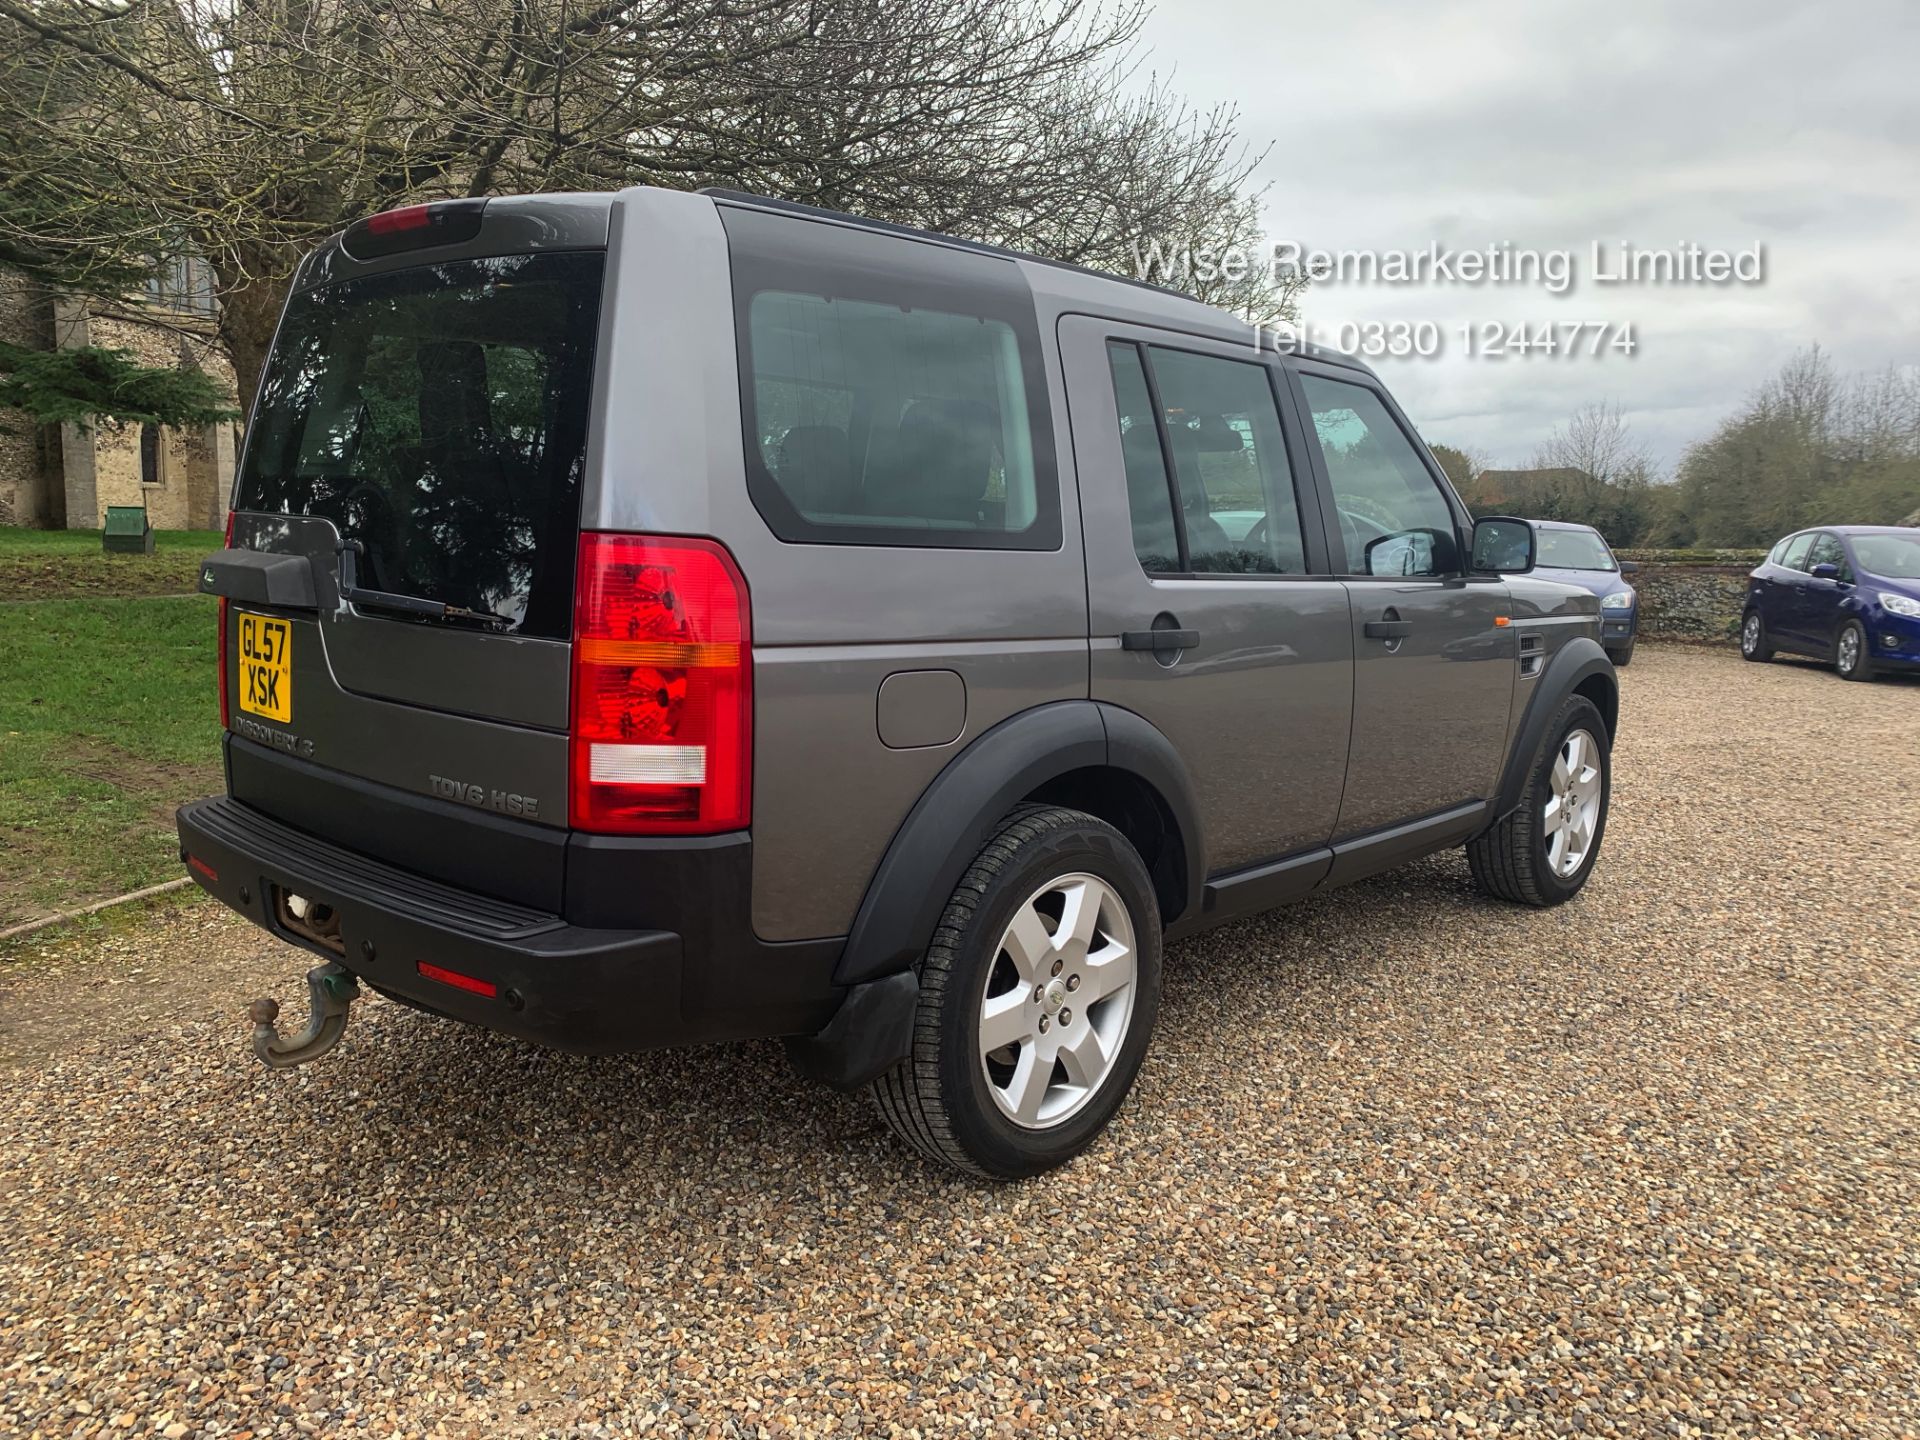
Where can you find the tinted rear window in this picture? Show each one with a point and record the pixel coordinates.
(438, 415)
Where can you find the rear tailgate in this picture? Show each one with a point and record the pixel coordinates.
(429, 420)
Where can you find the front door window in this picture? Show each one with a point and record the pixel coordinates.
(1394, 521)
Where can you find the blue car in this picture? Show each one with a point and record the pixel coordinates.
(1845, 593)
(1577, 555)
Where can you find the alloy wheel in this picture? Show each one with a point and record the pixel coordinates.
(1750, 634)
(1849, 650)
(1058, 1000)
(1570, 818)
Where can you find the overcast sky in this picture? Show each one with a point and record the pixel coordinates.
(1499, 122)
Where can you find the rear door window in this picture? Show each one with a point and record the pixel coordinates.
(1156, 544)
(437, 415)
(1796, 556)
(1238, 509)
(1236, 487)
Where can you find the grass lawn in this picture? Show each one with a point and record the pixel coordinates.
(109, 719)
(56, 564)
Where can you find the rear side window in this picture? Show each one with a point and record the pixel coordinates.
(881, 418)
(892, 391)
(438, 416)
(1796, 556)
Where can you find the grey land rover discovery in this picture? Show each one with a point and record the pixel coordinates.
(659, 618)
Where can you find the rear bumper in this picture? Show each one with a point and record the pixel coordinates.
(584, 988)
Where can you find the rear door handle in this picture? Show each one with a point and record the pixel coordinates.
(1388, 629)
(1159, 641)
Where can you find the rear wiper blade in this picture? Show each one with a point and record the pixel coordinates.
(390, 603)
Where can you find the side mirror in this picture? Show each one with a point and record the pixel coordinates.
(1502, 545)
(1629, 567)
(1825, 571)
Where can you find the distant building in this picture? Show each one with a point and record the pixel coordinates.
(65, 476)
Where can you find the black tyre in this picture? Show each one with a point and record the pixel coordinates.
(1754, 644)
(1850, 657)
(1623, 655)
(1051, 947)
(1544, 851)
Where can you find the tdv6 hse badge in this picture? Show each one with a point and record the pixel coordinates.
(505, 801)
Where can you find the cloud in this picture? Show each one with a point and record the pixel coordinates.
(1477, 122)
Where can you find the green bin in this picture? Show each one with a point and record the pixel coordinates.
(127, 530)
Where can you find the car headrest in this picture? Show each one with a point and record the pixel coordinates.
(815, 468)
(945, 460)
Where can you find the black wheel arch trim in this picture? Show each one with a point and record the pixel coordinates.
(957, 812)
(1572, 664)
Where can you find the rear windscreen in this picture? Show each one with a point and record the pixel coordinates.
(438, 415)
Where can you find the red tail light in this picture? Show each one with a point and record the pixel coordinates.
(220, 649)
(662, 688)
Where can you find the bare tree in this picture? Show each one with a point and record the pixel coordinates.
(1600, 444)
(250, 131)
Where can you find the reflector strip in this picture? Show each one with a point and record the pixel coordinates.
(457, 980)
(649, 765)
(200, 867)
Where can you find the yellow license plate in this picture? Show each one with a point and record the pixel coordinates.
(266, 666)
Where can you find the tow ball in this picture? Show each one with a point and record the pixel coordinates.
(331, 988)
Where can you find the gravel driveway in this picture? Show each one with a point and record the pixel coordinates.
(1400, 1161)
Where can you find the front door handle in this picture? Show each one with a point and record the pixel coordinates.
(1388, 629)
(1159, 641)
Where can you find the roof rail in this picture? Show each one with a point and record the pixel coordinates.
(747, 199)
(913, 232)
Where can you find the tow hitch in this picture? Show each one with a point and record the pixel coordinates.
(331, 988)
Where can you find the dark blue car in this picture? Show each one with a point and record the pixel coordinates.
(1845, 593)
(1577, 555)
